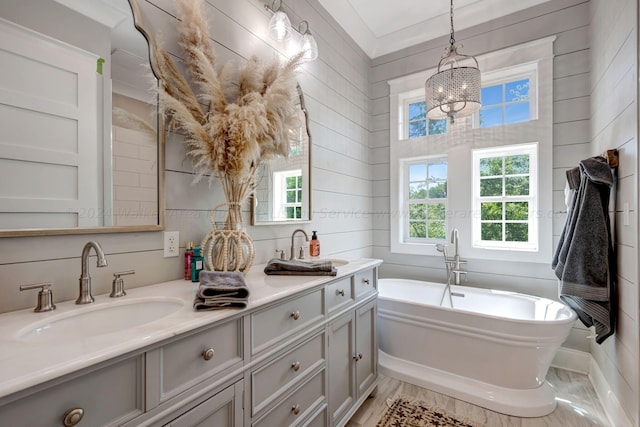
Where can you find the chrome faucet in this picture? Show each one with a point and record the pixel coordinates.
(85, 296)
(455, 262)
(293, 248)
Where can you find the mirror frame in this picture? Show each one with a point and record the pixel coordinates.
(137, 22)
(303, 107)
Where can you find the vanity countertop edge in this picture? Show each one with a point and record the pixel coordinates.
(24, 364)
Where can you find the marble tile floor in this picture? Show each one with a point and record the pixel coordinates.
(578, 405)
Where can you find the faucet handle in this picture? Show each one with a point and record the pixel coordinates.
(282, 255)
(301, 256)
(117, 288)
(45, 296)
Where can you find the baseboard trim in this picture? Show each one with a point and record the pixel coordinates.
(583, 362)
(572, 360)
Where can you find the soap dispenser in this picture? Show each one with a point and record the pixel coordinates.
(314, 245)
(197, 264)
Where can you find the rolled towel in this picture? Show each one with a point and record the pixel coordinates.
(299, 268)
(221, 289)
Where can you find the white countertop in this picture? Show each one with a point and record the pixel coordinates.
(25, 364)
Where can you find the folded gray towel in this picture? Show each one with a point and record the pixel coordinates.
(299, 268)
(221, 289)
(218, 304)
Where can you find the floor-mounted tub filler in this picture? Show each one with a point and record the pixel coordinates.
(492, 349)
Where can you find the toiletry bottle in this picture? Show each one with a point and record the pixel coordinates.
(188, 255)
(314, 245)
(197, 264)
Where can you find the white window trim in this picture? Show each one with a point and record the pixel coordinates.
(405, 197)
(280, 193)
(532, 198)
(459, 184)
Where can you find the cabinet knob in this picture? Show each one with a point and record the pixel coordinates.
(295, 366)
(340, 292)
(208, 353)
(295, 315)
(72, 417)
(357, 357)
(295, 409)
(365, 281)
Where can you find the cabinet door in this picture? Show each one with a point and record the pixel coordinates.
(366, 349)
(341, 366)
(222, 410)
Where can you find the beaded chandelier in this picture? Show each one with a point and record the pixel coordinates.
(454, 90)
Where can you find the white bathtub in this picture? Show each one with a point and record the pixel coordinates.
(492, 349)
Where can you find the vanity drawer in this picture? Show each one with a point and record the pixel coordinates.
(299, 405)
(275, 378)
(281, 320)
(190, 360)
(339, 294)
(107, 397)
(364, 283)
(319, 419)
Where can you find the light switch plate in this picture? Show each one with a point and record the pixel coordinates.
(171, 244)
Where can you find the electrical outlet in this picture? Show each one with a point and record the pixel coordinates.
(171, 244)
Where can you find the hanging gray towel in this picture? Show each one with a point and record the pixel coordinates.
(584, 261)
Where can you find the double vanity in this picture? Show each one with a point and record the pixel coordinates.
(303, 353)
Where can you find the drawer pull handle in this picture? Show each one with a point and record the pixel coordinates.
(295, 315)
(72, 417)
(208, 353)
(295, 366)
(357, 357)
(365, 281)
(295, 409)
(340, 292)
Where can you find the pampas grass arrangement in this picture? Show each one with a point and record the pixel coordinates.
(231, 126)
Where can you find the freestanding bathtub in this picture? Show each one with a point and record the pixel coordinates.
(492, 349)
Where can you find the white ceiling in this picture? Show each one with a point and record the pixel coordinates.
(384, 26)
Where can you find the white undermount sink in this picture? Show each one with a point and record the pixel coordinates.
(99, 319)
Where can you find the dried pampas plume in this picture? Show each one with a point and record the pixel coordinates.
(231, 126)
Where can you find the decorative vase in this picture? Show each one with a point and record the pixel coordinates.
(228, 247)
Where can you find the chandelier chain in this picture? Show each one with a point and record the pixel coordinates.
(452, 39)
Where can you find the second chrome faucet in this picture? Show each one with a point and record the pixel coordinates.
(85, 296)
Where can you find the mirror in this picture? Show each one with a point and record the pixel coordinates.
(81, 147)
(283, 191)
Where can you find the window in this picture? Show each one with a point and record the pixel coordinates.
(288, 190)
(426, 199)
(505, 103)
(417, 123)
(505, 197)
(504, 213)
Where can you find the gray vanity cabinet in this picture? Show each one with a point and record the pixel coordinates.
(306, 360)
(353, 352)
(224, 409)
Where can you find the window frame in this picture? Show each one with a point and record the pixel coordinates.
(407, 201)
(511, 74)
(280, 190)
(457, 144)
(531, 245)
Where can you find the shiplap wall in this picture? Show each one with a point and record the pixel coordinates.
(614, 120)
(336, 94)
(568, 20)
